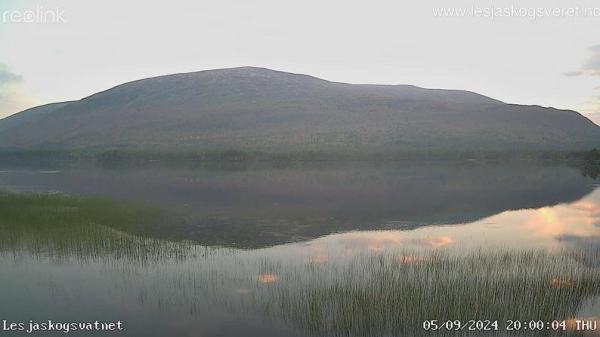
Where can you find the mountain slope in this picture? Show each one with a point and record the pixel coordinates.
(264, 110)
(28, 116)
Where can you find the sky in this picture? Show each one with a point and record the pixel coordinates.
(543, 52)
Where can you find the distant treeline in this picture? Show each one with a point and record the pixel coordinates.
(589, 163)
(137, 156)
(592, 156)
(317, 156)
(245, 156)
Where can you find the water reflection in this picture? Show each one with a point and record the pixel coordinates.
(262, 206)
(546, 227)
(531, 255)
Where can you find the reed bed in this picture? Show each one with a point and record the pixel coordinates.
(59, 226)
(369, 295)
(391, 295)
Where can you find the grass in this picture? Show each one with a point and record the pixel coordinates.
(366, 295)
(61, 226)
(391, 295)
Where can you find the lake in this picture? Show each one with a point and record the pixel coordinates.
(320, 249)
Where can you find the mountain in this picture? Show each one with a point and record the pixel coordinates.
(29, 116)
(256, 109)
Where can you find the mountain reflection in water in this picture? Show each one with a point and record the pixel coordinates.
(337, 251)
(261, 206)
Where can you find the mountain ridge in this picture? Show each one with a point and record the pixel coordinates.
(258, 109)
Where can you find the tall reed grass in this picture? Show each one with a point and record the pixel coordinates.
(61, 226)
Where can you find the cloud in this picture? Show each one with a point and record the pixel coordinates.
(591, 66)
(591, 108)
(14, 96)
(573, 73)
(6, 77)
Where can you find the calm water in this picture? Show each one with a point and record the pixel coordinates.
(269, 251)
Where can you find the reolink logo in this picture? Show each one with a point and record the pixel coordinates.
(36, 15)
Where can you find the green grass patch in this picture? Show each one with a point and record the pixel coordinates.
(66, 226)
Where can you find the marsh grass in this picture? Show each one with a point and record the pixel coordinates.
(377, 294)
(60, 226)
(383, 295)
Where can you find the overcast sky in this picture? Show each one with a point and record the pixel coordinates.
(550, 60)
